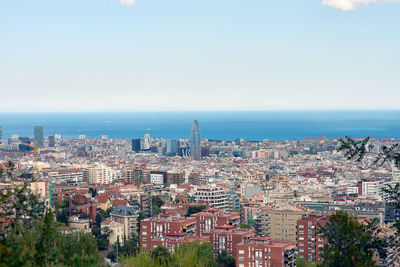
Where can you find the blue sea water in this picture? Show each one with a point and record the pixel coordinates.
(250, 125)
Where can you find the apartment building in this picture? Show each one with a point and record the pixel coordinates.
(262, 251)
(128, 217)
(225, 237)
(217, 197)
(68, 176)
(279, 223)
(309, 242)
(211, 218)
(158, 228)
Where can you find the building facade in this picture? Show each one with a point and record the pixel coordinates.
(195, 144)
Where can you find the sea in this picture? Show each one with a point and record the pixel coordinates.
(215, 125)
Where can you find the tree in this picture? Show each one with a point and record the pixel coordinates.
(225, 260)
(194, 252)
(156, 203)
(358, 150)
(195, 209)
(243, 226)
(99, 219)
(161, 255)
(93, 191)
(62, 211)
(29, 236)
(96, 232)
(350, 243)
(129, 248)
(188, 254)
(106, 214)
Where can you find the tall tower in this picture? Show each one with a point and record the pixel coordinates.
(195, 146)
(146, 142)
(38, 134)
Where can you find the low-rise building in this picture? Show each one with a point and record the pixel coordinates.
(114, 229)
(127, 216)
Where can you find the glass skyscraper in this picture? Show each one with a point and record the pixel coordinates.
(195, 146)
(38, 135)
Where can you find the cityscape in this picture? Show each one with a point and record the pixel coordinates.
(244, 197)
(143, 133)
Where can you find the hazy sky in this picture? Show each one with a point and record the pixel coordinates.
(90, 55)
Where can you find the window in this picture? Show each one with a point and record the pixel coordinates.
(301, 250)
(241, 265)
(144, 238)
(144, 226)
(241, 258)
(301, 225)
(144, 233)
(241, 251)
(301, 238)
(301, 232)
(301, 244)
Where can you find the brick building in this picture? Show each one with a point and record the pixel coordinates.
(265, 252)
(209, 219)
(309, 243)
(157, 228)
(225, 237)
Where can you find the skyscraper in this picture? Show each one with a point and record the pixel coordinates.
(171, 147)
(52, 141)
(195, 146)
(146, 142)
(136, 145)
(38, 134)
(1, 133)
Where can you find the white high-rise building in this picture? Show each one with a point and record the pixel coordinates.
(217, 197)
(58, 137)
(146, 142)
(82, 137)
(395, 173)
(101, 174)
(15, 137)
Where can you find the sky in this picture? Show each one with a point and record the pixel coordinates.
(177, 55)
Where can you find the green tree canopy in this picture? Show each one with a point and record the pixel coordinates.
(195, 209)
(350, 243)
(225, 260)
(29, 235)
(188, 254)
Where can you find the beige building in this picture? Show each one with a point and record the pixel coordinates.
(116, 231)
(127, 216)
(79, 224)
(279, 223)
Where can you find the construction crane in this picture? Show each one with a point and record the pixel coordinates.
(35, 156)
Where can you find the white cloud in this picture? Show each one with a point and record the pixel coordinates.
(127, 2)
(348, 5)
(104, 3)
